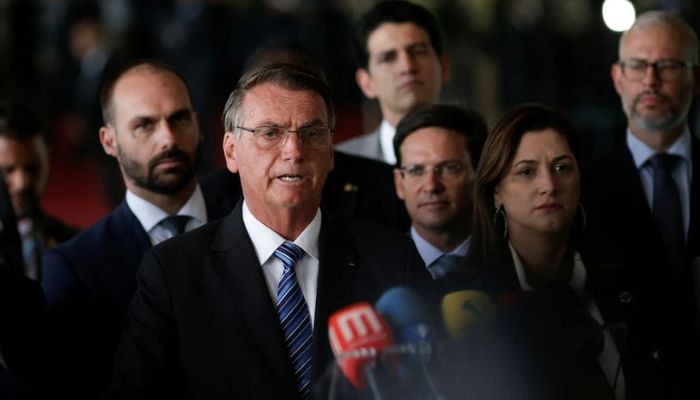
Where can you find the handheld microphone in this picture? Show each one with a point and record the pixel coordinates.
(408, 318)
(464, 309)
(357, 335)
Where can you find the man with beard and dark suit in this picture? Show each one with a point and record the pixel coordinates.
(151, 129)
(645, 195)
(212, 316)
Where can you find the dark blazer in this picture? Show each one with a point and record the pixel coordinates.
(356, 188)
(202, 323)
(22, 329)
(548, 338)
(659, 301)
(50, 232)
(89, 282)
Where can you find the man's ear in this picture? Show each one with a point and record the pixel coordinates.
(616, 75)
(445, 68)
(398, 184)
(108, 140)
(229, 153)
(364, 81)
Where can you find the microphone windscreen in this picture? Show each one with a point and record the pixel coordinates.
(406, 314)
(357, 334)
(464, 309)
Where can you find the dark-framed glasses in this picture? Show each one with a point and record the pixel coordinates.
(445, 171)
(311, 137)
(667, 70)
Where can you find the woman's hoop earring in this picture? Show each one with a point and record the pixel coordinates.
(584, 220)
(500, 211)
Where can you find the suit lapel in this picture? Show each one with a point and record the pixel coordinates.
(233, 246)
(694, 229)
(334, 287)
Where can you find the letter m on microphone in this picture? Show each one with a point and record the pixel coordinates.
(357, 333)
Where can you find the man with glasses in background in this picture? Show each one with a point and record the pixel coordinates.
(437, 149)
(645, 196)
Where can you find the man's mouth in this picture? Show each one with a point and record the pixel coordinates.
(290, 178)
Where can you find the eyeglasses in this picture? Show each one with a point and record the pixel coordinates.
(310, 137)
(445, 171)
(666, 70)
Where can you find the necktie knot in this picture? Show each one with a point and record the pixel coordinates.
(289, 253)
(664, 162)
(175, 224)
(443, 264)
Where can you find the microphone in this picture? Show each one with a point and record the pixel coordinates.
(463, 310)
(408, 318)
(357, 335)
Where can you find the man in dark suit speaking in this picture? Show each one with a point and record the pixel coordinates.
(239, 307)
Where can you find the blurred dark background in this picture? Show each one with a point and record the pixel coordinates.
(503, 52)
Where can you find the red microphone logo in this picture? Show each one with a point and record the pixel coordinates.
(357, 334)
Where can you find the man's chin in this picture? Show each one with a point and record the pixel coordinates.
(167, 185)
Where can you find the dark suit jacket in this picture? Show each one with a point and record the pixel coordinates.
(22, 326)
(662, 344)
(202, 323)
(50, 232)
(548, 338)
(89, 282)
(356, 188)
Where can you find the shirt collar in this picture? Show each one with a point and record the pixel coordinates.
(386, 140)
(578, 275)
(430, 253)
(642, 152)
(266, 241)
(149, 215)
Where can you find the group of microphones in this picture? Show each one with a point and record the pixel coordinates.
(394, 350)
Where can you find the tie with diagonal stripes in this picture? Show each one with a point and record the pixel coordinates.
(294, 317)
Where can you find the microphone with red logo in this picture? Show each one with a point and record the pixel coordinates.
(357, 335)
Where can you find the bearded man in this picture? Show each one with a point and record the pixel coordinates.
(150, 127)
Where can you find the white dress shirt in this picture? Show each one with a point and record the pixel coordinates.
(682, 175)
(150, 215)
(609, 358)
(266, 241)
(386, 140)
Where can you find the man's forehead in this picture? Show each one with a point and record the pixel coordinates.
(654, 37)
(394, 35)
(271, 100)
(150, 87)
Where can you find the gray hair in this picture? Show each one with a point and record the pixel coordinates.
(288, 76)
(668, 20)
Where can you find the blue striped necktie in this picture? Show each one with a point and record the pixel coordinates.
(294, 317)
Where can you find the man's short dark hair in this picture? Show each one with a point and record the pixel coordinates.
(288, 76)
(115, 74)
(278, 51)
(395, 12)
(466, 122)
(19, 122)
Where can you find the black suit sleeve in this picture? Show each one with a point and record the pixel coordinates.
(145, 364)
